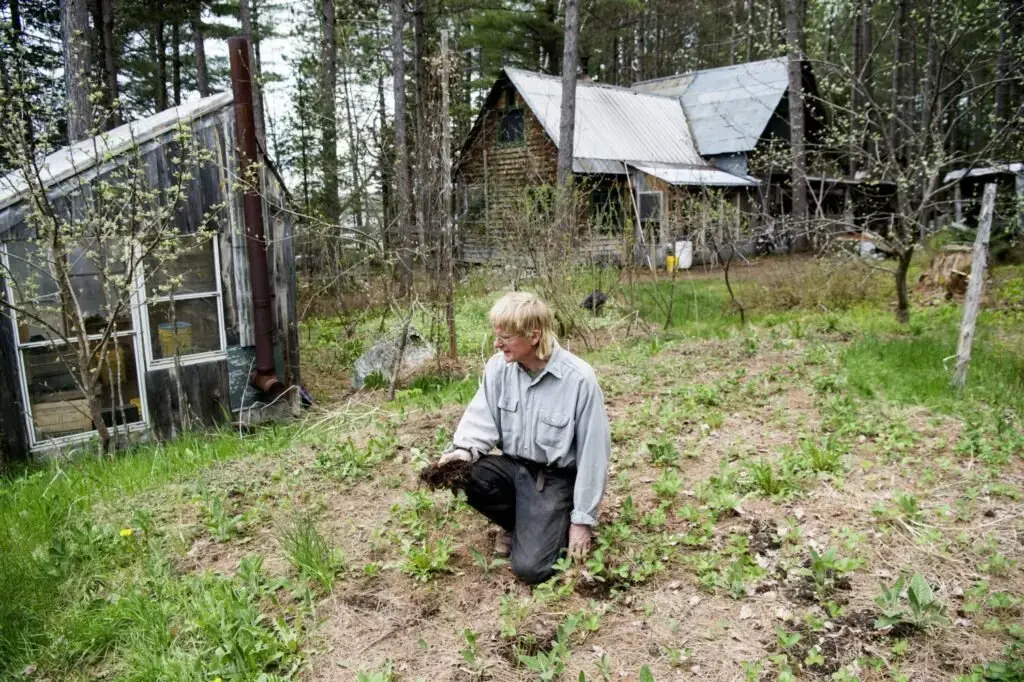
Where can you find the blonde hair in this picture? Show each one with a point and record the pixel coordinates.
(521, 313)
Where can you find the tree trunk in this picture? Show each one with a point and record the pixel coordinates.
(974, 287)
(245, 17)
(300, 92)
(857, 89)
(110, 53)
(353, 142)
(160, 42)
(11, 107)
(902, 295)
(401, 171)
(421, 181)
(386, 166)
(176, 63)
(567, 125)
(447, 241)
(202, 75)
(899, 68)
(794, 31)
(328, 111)
(74, 16)
(1004, 63)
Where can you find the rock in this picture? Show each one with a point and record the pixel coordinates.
(746, 612)
(380, 359)
(694, 600)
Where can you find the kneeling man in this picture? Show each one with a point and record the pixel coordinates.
(542, 407)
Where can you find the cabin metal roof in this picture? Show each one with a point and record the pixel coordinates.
(688, 175)
(728, 108)
(612, 123)
(67, 162)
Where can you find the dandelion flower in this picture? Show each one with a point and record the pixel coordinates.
(126, 532)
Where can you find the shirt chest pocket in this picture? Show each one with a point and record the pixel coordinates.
(508, 412)
(555, 431)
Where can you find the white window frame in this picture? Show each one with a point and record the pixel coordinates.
(218, 296)
(36, 443)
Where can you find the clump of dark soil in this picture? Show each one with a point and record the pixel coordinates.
(764, 536)
(452, 475)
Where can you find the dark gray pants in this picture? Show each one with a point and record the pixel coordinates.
(530, 501)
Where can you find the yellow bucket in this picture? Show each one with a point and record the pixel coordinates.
(113, 367)
(670, 263)
(175, 338)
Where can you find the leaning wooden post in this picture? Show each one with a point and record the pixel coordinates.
(974, 287)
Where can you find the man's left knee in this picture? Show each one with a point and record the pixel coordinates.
(532, 569)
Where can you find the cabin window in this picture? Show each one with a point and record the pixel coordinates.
(184, 312)
(46, 335)
(606, 211)
(651, 207)
(512, 128)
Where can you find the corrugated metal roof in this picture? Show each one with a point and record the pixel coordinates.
(959, 174)
(728, 108)
(599, 166)
(81, 156)
(612, 123)
(687, 175)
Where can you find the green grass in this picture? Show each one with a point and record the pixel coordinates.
(700, 307)
(76, 585)
(916, 370)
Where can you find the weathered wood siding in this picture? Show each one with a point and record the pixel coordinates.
(205, 390)
(500, 175)
(278, 225)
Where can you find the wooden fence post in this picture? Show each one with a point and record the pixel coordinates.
(974, 287)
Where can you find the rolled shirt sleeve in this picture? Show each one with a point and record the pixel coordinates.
(593, 448)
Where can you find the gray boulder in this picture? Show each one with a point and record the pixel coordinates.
(380, 359)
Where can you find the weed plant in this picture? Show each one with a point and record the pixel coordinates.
(312, 556)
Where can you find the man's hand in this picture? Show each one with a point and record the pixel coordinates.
(579, 540)
(456, 454)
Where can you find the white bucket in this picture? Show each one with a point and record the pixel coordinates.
(684, 255)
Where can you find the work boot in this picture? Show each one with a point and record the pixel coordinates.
(502, 544)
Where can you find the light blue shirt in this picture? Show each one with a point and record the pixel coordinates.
(556, 418)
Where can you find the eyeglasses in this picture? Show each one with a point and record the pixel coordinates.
(505, 338)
